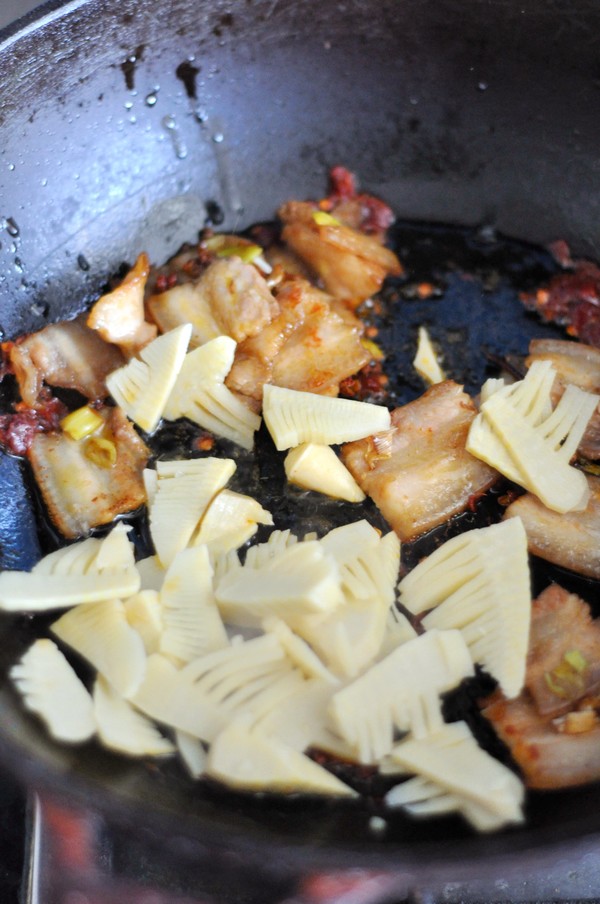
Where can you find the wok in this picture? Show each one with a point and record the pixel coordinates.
(124, 122)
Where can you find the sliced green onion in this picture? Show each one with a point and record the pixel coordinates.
(247, 253)
(101, 451)
(576, 660)
(322, 218)
(81, 423)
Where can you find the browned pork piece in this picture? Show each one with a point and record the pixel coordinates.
(67, 354)
(421, 474)
(548, 757)
(571, 540)
(563, 662)
(79, 493)
(575, 363)
(119, 315)
(311, 345)
(351, 265)
(230, 298)
(552, 729)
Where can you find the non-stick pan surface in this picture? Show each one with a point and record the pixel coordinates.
(122, 123)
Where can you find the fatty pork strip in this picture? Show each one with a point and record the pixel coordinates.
(351, 265)
(559, 746)
(421, 474)
(311, 345)
(79, 493)
(578, 364)
(230, 298)
(571, 540)
(67, 354)
(119, 316)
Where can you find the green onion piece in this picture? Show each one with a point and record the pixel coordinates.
(554, 687)
(322, 218)
(576, 660)
(101, 451)
(81, 423)
(247, 253)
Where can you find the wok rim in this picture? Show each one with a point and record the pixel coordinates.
(74, 789)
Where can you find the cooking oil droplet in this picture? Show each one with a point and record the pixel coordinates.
(151, 99)
(218, 138)
(482, 86)
(39, 309)
(11, 167)
(179, 145)
(18, 265)
(201, 116)
(83, 263)
(12, 228)
(44, 183)
(413, 101)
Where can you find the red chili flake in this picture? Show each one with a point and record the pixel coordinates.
(193, 268)
(425, 290)
(573, 300)
(507, 498)
(561, 253)
(368, 382)
(161, 284)
(17, 430)
(204, 443)
(377, 216)
(343, 183)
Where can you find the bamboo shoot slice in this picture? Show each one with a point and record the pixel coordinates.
(479, 583)
(230, 521)
(192, 624)
(294, 417)
(142, 387)
(143, 612)
(51, 689)
(23, 591)
(303, 578)
(312, 466)
(262, 553)
(192, 753)
(244, 758)
(122, 728)
(200, 394)
(426, 361)
(453, 760)
(401, 693)
(102, 635)
(184, 492)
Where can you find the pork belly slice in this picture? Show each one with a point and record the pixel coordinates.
(551, 728)
(67, 354)
(230, 298)
(571, 540)
(79, 494)
(310, 346)
(422, 474)
(548, 757)
(578, 364)
(119, 316)
(563, 662)
(351, 265)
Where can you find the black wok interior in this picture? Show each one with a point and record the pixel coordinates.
(124, 121)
